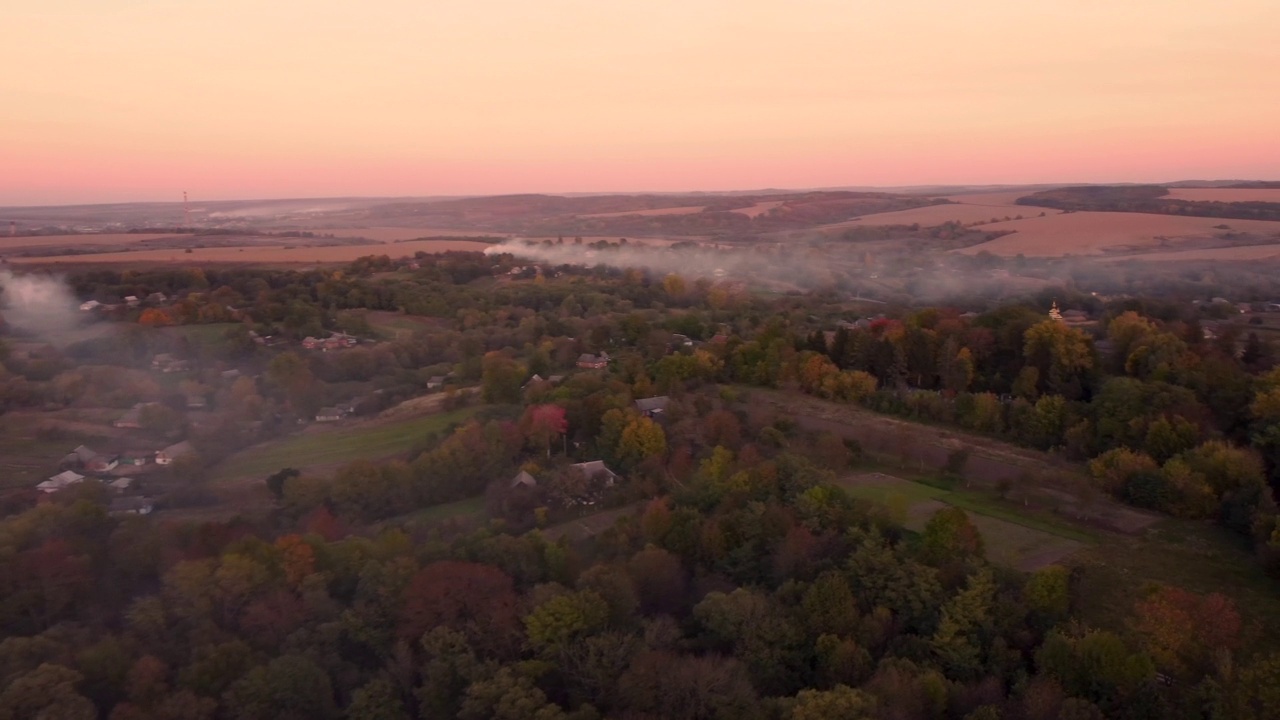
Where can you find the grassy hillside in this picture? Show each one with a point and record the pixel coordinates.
(337, 444)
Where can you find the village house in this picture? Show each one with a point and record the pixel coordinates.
(335, 341)
(196, 402)
(587, 361)
(435, 382)
(131, 419)
(135, 458)
(329, 414)
(90, 305)
(596, 471)
(102, 463)
(652, 407)
(524, 479)
(173, 452)
(131, 300)
(157, 298)
(131, 506)
(79, 457)
(120, 484)
(63, 479)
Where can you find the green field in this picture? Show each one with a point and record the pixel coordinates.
(1014, 539)
(1194, 555)
(1112, 570)
(26, 459)
(468, 508)
(337, 444)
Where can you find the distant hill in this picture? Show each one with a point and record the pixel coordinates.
(1147, 199)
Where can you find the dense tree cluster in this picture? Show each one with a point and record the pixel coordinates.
(747, 586)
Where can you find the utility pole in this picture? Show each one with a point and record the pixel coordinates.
(186, 211)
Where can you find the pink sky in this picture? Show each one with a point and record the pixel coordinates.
(141, 100)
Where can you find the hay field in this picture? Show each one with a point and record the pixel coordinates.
(759, 208)
(1225, 194)
(939, 214)
(1243, 252)
(685, 210)
(38, 241)
(275, 255)
(1001, 198)
(395, 234)
(1092, 233)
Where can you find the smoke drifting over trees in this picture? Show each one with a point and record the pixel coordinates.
(766, 262)
(39, 304)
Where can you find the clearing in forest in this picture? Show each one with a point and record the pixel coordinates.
(1023, 543)
(328, 446)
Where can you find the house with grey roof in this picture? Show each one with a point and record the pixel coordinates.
(63, 479)
(652, 407)
(173, 452)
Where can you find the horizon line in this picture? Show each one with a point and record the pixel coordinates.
(904, 189)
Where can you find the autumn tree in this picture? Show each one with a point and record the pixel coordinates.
(501, 378)
(641, 440)
(477, 600)
(1183, 631)
(1062, 355)
(949, 535)
(543, 424)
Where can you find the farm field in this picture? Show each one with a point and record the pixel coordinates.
(270, 255)
(939, 214)
(759, 208)
(1225, 194)
(25, 457)
(397, 234)
(1023, 543)
(39, 241)
(684, 210)
(331, 445)
(1036, 480)
(1000, 197)
(1092, 233)
(467, 509)
(1243, 252)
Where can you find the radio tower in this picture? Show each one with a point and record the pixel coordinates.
(186, 211)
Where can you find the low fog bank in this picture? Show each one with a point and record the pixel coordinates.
(795, 267)
(39, 305)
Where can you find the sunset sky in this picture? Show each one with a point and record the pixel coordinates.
(117, 100)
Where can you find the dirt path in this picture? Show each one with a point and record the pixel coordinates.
(1033, 477)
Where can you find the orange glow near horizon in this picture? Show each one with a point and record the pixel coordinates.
(104, 102)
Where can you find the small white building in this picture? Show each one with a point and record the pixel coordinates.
(173, 452)
(63, 479)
